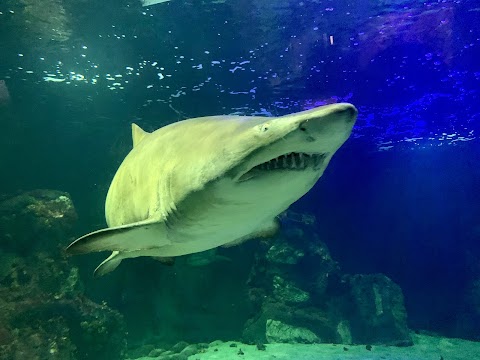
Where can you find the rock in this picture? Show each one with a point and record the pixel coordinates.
(343, 330)
(43, 312)
(281, 290)
(190, 350)
(168, 353)
(310, 318)
(169, 356)
(39, 345)
(261, 347)
(40, 326)
(175, 357)
(178, 347)
(156, 352)
(284, 254)
(376, 311)
(287, 292)
(6, 335)
(215, 343)
(39, 273)
(8, 263)
(39, 220)
(327, 275)
(279, 332)
(295, 281)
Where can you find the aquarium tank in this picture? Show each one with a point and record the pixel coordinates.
(239, 179)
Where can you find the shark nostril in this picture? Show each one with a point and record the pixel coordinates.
(303, 128)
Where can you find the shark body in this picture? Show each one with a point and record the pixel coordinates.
(205, 182)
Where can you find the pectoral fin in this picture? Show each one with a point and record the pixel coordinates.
(138, 236)
(108, 265)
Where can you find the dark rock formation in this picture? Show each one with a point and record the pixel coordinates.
(375, 311)
(49, 326)
(43, 314)
(301, 296)
(39, 220)
(180, 351)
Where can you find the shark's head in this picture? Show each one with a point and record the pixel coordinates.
(285, 146)
(275, 161)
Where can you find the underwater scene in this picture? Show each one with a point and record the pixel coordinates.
(239, 179)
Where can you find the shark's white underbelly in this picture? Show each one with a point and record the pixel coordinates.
(231, 211)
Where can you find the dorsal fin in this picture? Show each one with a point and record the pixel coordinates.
(137, 134)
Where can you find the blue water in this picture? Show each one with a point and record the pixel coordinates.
(400, 197)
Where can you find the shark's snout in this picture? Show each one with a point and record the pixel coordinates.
(328, 126)
(303, 141)
(332, 113)
(349, 112)
(322, 120)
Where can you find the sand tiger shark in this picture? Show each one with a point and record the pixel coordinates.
(206, 182)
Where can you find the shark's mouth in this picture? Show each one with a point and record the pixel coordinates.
(291, 161)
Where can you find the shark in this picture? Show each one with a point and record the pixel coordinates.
(201, 183)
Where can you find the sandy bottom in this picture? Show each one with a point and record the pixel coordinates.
(425, 348)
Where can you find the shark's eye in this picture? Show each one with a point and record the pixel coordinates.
(264, 127)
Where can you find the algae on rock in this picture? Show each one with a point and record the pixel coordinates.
(295, 282)
(43, 311)
(278, 332)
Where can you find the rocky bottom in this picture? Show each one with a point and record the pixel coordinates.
(425, 348)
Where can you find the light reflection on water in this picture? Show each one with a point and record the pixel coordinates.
(341, 53)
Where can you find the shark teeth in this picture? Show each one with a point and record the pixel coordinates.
(293, 161)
